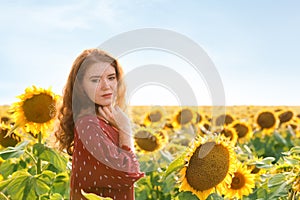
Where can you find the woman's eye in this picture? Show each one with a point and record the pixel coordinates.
(112, 78)
(95, 80)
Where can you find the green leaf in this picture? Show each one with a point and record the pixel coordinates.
(265, 163)
(16, 187)
(4, 184)
(14, 152)
(279, 138)
(279, 192)
(8, 167)
(187, 195)
(166, 156)
(214, 196)
(40, 186)
(275, 180)
(60, 183)
(23, 185)
(91, 196)
(3, 197)
(175, 165)
(295, 150)
(47, 176)
(56, 196)
(50, 155)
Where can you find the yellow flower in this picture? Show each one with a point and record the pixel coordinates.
(296, 185)
(36, 111)
(154, 117)
(230, 133)
(286, 116)
(267, 121)
(204, 127)
(224, 119)
(183, 117)
(8, 140)
(242, 183)
(209, 166)
(147, 140)
(244, 130)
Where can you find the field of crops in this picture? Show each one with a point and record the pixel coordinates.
(246, 152)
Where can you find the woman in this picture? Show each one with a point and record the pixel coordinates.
(95, 130)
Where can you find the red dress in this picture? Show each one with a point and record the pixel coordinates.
(99, 165)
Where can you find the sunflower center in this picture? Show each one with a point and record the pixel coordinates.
(238, 181)
(241, 130)
(146, 140)
(266, 120)
(208, 166)
(255, 170)
(155, 116)
(12, 140)
(39, 108)
(224, 119)
(227, 133)
(286, 116)
(184, 116)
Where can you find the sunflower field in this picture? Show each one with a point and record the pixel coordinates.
(246, 152)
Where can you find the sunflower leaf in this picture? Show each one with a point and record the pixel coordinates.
(175, 165)
(56, 196)
(47, 154)
(187, 195)
(91, 196)
(60, 184)
(279, 192)
(276, 180)
(18, 185)
(278, 137)
(14, 152)
(3, 197)
(295, 150)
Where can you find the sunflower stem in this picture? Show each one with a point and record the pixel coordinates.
(31, 156)
(39, 163)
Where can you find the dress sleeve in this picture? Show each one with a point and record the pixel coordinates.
(103, 149)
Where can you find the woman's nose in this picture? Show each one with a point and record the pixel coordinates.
(104, 84)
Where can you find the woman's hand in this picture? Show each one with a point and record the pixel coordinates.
(116, 117)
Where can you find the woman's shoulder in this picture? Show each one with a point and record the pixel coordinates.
(87, 118)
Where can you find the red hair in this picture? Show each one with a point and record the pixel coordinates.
(74, 98)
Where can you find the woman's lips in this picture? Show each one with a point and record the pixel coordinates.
(107, 95)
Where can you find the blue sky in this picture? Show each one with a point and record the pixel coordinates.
(253, 44)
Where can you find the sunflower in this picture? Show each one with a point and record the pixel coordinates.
(296, 184)
(8, 140)
(4, 119)
(267, 121)
(243, 129)
(242, 183)
(286, 116)
(224, 119)
(204, 127)
(147, 140)
(183, 117)
(154, 117)
(209, 166)
(230, 133)
(36, 111)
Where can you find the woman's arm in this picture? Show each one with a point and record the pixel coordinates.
(119, 119)
(102, 148)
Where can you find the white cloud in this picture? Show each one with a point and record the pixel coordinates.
(80, 14)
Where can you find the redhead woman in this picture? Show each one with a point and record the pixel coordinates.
(95, 130)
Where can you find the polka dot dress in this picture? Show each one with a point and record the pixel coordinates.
(99, 165)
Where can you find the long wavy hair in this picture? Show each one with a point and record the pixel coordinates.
(75, 99)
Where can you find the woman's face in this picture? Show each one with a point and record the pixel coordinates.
(100, 83)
